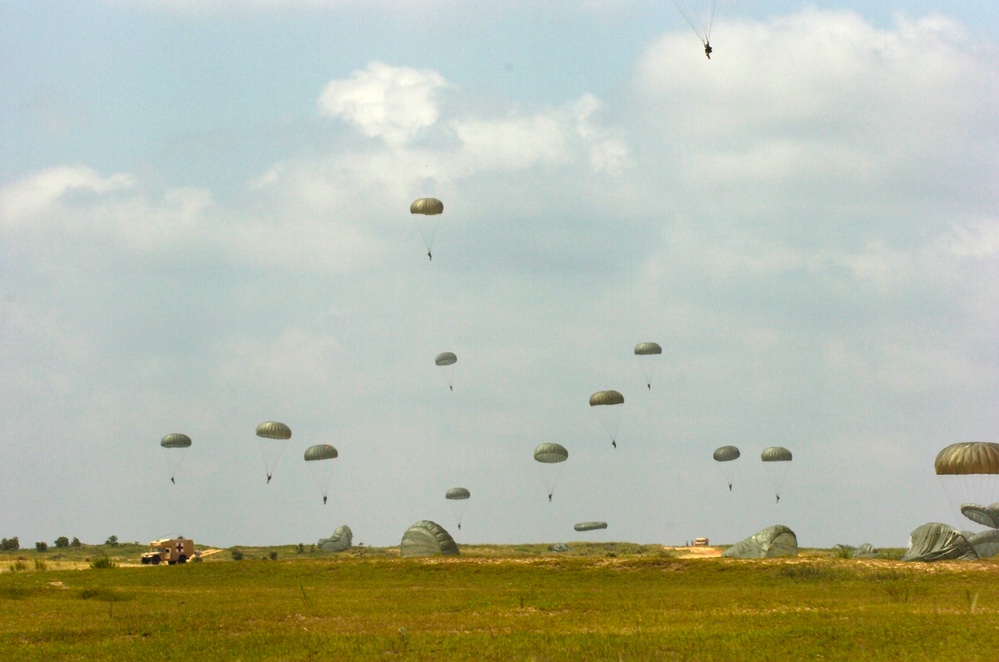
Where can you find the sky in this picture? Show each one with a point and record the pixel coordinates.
(204, 225)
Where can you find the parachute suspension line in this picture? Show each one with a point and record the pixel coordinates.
(699, 16)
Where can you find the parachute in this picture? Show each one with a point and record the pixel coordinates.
(969, 474)
(271, 434)
(771, 542)
(426, 538)
(550, 456)
(316, 459)
(340, 541)
(590, 526)
(457, 496)
(648, 355)
(426, 211)
(170, 443)
(984, 515)
(724, 456)
(938, 542)
(776, 459)
(607, 406)
(699, 14)
(447, 360)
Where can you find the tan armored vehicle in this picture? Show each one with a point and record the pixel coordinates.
(170, 551)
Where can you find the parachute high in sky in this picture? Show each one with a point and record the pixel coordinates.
(607, 406)
(426, 211)
(725, 456)
(457, 496)
(317, 459)
(447, 360)
(170, 443)
(589, 526)
(550, 457)
(776, 461)
(271, 437)
(969, 473)
(648, 355)
(699, 14)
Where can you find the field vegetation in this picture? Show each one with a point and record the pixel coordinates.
(520, 602)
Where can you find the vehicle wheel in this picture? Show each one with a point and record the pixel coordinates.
(156, 560)
(181, 559)
(145, 561)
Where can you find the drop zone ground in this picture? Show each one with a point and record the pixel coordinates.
(520, 602)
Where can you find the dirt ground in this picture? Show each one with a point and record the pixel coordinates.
(700, 552)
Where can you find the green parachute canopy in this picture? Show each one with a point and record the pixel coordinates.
(340, 541)
(320, 452)
(776, 454)
(606, 398)
(426, 538)
(175, 440)
(446, 358)
(938, 542)
(589, 526)
(968, 457)
(984, 515)
(647, 349)
(726, 454)
(551, 453)
(427, 207)
(648, 356)
(607, 406)
(273, 430)
(457, 494)
(771, 542)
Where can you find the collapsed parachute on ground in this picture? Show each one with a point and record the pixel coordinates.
(725, 456)
(271, 434)
(170, 443)
(426, 211)
(864, 551)
(984, 515)
(550, 457)
(772, 542)
(607, 407)
(426, 538)
(985, 544)
(776, 460)
(590, 526)
(447, 360)
(969, 474)
(647, 354)
(938, 542)
(340, 541)
(317, 460)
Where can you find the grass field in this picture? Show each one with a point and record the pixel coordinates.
(596, 602)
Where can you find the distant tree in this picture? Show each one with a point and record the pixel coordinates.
(237, 555)
(61, 541)
(300, 549)
(76, 542)
(273, 555)
(10, 544)
(41, 546)
(112, 541)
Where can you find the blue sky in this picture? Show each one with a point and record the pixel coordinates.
(204, 225)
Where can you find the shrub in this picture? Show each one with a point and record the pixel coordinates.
(102, 562)
(273, 555)
(237, 555)
(41, 546)
(18, 566)
(40, 564)
(300, 549)
(62, 541)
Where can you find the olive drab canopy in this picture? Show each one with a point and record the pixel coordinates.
(426, 211)
(590, 526)
(320, 468)
(985, 543)
(457, 494)
(968, 471)
(725, 456)
(426, 538)
(607, 407)
(648, 355)
(550, 457)
(984, 515)
(447, 360)
(340, 541)
(271, 435)
(776, 454)
(776, 460)
(938, 542)
(170, 443)
(771, 542)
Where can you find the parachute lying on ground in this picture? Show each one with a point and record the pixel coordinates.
(699, 14)
(447, 360)
(771, 542)
(170, 443)
(340, 541)
(457, 496)
(776, 460)
(607, 407)
(272, 434)
(426, 538)
(589, 526)
(426, 211)
(725, 455)
(938, 542)
(985, 544)
(648, 356)
(550, 457)
(969, 473)
(320, 468)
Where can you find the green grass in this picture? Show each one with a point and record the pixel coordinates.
(596, 602)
